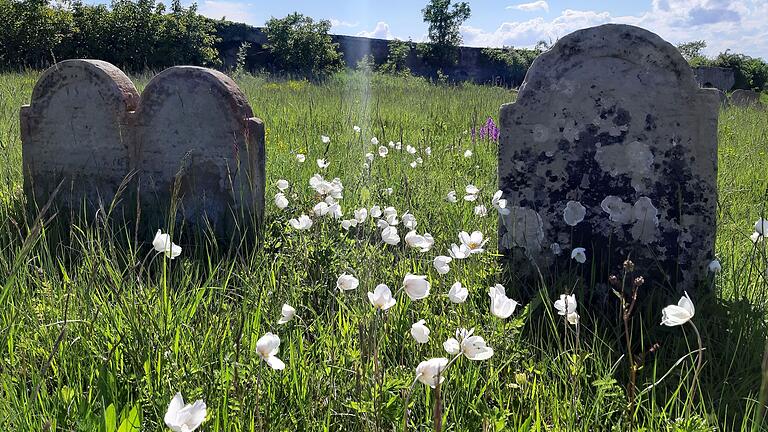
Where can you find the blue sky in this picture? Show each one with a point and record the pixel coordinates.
(739, 25)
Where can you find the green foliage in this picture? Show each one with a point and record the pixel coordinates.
(751, 73)
(134, 35)
(367, 64)
(242, 55)
(692, 51)
(397, 57)
(444, 29)
(302, 46)
(124, 329)
(517, 61)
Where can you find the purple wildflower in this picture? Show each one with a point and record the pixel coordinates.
(488, 131)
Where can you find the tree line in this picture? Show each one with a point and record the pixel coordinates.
(138, 35)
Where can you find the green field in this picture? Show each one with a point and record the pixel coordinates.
(97, 333)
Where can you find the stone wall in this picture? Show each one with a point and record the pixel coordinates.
(472, 64)
(714, 77)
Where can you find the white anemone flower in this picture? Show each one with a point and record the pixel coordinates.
(356, 129)
(422, 242)
(441, 263)
(431, 372)
(468, 154)
(391, 144)
(389, 235)
(163, 244)
(679, 314)
(325, 139)
(383, 151)
(369, 156)
(579, 254)
(761, 227)
(388, 191)
(458, 294)
(573, 318)
(361, 214)
(185, 418)
(398, 145)
(322, 163)
(410, 149)
(381, 297)
(348, 223)
(409, 220)
(300, 158)
(376, 211)
(471, 346)
(501, 305)
(451, 197)
(416, 286)
(321, 209)
(499, 203)
(287, 312)
(471, 193)
(481, 211)
(459, 251)
(474, 242)
(302, 223)
(281, 201)
(428, 151)
(566, 304)
(413, 164)
(282, 184)
(347, 282)
(267, 347)
(714, 266)
(420, 332)
(375, 141)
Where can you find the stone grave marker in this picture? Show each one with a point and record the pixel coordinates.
(197, 141)
(746, 99)
(190, 135)
(611, 146)
(75, 132)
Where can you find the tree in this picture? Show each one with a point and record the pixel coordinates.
(444, 28)
(302, 46)
(692, 52)
(397, 58)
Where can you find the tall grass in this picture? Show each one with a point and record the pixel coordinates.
(95, 333)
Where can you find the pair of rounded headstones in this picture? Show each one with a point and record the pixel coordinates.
(189, 142)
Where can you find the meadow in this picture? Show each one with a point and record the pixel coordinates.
(98, 331)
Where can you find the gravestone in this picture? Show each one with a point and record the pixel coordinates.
(75, 132)
(745, 99)
(611, 146)
(199, 146)
(190, 137)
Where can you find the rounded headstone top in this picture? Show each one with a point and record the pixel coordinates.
(195, 79)
(632, 44)
(111, 81)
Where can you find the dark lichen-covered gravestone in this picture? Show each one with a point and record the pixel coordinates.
(611, 146)
(191, 138)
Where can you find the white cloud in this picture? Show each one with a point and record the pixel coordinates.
(531, 7)
(380, 32)
(737, 25)
(232, 10)
(336, 23)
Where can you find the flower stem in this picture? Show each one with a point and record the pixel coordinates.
(699, 363)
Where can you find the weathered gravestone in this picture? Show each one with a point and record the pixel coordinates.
(611, 146)
(198, 145)
(191, 137)
(746, 99)
(76, 133)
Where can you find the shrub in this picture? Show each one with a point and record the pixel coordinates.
(397, 58)
(134, 35)
(302, 46)
(444, 30)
